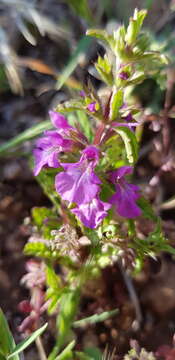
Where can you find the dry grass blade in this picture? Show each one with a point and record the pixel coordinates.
(45, 25)
(22, 13)
(8, 58)
(24, 30)
(23, 10)
(36, 65)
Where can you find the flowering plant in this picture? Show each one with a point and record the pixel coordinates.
(84, 165)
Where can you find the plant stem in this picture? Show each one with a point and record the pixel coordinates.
(40, 348)
(132, 294)
(167, 105)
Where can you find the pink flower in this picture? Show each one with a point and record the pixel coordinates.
(79, 183)
(92, 107)
(123, 75)
(63, 139)
(126, 194)
(48, 149)
(93, 213)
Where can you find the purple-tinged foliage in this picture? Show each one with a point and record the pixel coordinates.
(79, 183)
(93, 213)
(124, 200)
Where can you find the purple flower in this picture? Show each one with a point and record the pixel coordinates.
(128, 117)
(60, 122)
(126, 194)
(47, 150)
(79, 183)
(93, 213)
(67, 131)
(123, 75)
(92, 107)
(63, 139)
(82, 93)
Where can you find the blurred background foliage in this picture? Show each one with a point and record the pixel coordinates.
(64, 22)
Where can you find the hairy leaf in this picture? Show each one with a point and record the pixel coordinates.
(115, 104)
(95, 318)
(130, 142)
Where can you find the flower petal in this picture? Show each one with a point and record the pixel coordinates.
(92, 107)
(59, 120)
(77, 184)
(119, 173)
(125, 200)
(47, 150)
(93, 213)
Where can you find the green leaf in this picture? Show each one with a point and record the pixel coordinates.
(53, 280)
(104, 68)
(67, 352)
(132, 32)
(54, 299)
(69, 106)
(101, 35)
(114, 151)
(46, 220)
(106, 191)
(137, 78)
(85, 125)
(25, 136)
(156, 237)
(115, 104)
(39, 214)
(95, 318)
(28, 341)
(147, 209)
(139, 16)
(120, 44)
(153, 244)
(68, 309)
(130, 142)
(82, 48)
(107, 78)
(7, 343)
(46, 179)
(134, 26)
(104, 64)
(38, 249)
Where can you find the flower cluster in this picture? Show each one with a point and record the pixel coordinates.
(78, 183)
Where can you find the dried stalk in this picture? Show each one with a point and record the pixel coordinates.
(40, 348)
